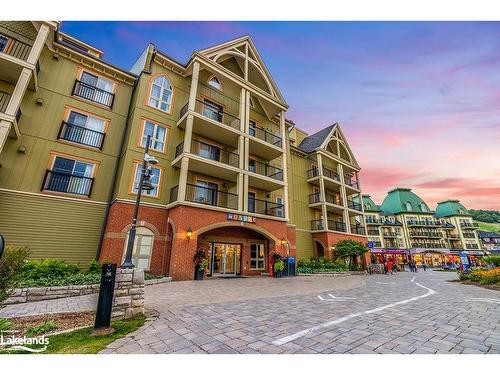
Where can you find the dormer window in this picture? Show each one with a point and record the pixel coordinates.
(160, 95)
(409, 207)
(423, 207)
(368, 206)
(460, 211)
(215, 83)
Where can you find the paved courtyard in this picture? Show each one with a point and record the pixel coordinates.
(403, 313)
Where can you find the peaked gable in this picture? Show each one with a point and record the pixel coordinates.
(242, 51)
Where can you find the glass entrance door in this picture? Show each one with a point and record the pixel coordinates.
(225, 259)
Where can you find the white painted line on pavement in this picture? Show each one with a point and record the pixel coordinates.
(331, 295)
(391, 283)
(304, 332)
(492, 300)
(321, 298)
(413, 279)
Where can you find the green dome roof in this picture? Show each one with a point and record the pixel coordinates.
(369, 204)
(451, 207)
(404, 200)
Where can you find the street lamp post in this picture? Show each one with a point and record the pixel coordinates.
(144, 184)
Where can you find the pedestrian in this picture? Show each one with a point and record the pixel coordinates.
(412, 266)
(389, 266)
(424, 266)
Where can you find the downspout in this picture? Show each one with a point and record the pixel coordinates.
(117, 166)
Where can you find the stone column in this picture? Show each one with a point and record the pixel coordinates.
(128, 299)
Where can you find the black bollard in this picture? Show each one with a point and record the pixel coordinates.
(2, 245)
(105, 302)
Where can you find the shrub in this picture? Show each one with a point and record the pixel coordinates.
(493, 259)
(42, 328)
(279, 266)
(73, 279)
(10, 263)
(486, 276)
(321, 265)
(37, 269)
(94, 267)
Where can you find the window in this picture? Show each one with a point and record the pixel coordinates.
(158, 135)
(423, 207)
(94, 88)
(160, 96)
(251, 201)
(215, 82)
(460, 211)
(209, 152)
(368, 206)
(83, 129)
(251, 165)
(251, 129)
(70, 176)
(409, 207)
(155, 180)
(279, 207)
(257, 257)
(206, 192)
(212, 110)
(95, 81)
(3, 42)
(143, 247)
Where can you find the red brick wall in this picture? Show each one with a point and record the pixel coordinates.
(329, 239)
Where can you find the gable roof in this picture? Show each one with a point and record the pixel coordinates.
(396, 199)
(451, 207)
(314, 141)
(244, 48)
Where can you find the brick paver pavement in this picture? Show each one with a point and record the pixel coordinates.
(363, 314)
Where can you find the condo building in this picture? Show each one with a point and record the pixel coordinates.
(404, 226)
(234, 177)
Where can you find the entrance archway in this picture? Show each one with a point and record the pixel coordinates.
(320, 249)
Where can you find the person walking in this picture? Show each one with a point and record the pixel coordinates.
(424, 266)
(389, 266)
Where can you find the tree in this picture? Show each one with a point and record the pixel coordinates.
(349, 250)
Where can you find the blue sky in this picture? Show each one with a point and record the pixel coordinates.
(418, 101)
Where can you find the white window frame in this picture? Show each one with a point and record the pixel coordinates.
(258, 258)
(135, 188)
(215, 82)
(154, 140)
(159, 99)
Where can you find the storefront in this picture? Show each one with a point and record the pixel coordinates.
(432, 258)
(397, 256)
(475, 256)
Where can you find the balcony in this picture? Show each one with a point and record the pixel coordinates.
(469, 235)
(317, 225)
(333, 199)
(93, 94)
(331, 178)
(262, 207)
(358, 229)
(353, 205)
(377, 244)
(350, 182)
(390, 234)
(423, 223)
(471, 246)
(373, 232)
(337, 225)
(315, 198)
(426, 234)
(81, 135)
(13, 58)
(428, 245)
(207, 196)
(4, 101)
(453, 236)
(209, 160)
(212, 122)
(469, 225)
(264, 143)
(269, 176)
(67, 183)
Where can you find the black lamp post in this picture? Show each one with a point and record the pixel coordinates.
(144, 184)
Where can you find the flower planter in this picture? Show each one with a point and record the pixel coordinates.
(277, 274)
(198, 274)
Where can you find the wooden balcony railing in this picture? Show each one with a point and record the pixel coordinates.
(14, 47)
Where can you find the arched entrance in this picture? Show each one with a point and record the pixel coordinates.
(236, 251)
(320, 250)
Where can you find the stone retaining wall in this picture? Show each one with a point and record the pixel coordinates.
(23, 295)
(128, 299)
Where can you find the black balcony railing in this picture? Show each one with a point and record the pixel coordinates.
(389, 234)
(371, 221)
(331, 174)
(93, 94)
(315, 197)
(81, 135)
(428, 234)
(472, 246)
(67, 183)
(317, 225)
(333, 199)
(313, 172)
(373, 232)
(353, 205)
(337, 225)
(265, 169)
(265, 136)
(211, 197)
(173, 193)
(14, 47)
(263, 207)
(4, 101)
(210, 152)
(429, 245)
(469, 225)
(469, 235)
(351, 182)
(423, 223)
(213, 112)
(358, 229)
(377, 244)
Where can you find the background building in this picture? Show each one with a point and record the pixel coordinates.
(235, 177)
(403, 224)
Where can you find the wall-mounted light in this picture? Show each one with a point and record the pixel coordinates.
(189, 233)
(283, 242)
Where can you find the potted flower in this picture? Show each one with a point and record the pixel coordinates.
(278, 267)
(200, 264)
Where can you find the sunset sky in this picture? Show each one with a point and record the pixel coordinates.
(419, 102)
